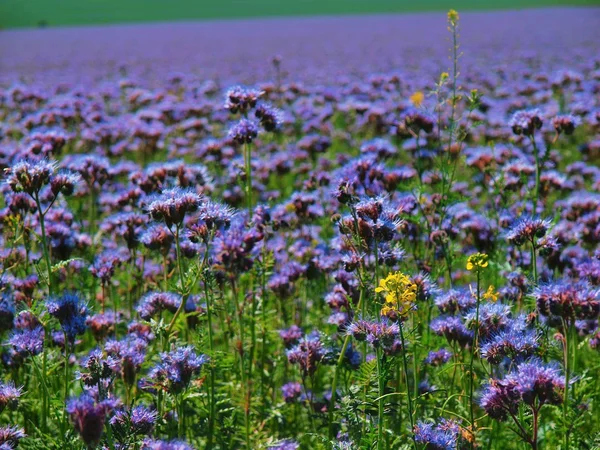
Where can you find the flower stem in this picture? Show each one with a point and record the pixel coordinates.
(473, 350)
(408, 395)
(380, 415)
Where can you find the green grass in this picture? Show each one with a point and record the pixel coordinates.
(29, 13)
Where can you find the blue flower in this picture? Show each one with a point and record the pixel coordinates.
(71, 312)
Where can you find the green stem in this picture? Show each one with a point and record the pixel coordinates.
(380, 416)
(184, 295)
(45, 251)
(536, 192)
(336, 374)
(408, 395)
(248, 164)
(473, 349)
(567, 329)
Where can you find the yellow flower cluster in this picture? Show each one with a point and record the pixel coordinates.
(453, 17)
(400, 294)
(491, 294)
(417, 99)
(477, 262)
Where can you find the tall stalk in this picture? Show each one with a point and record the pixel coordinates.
(473, 350)
(408, 395)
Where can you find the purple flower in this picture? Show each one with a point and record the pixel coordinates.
(565, 123)
(243, 132)
(268, 116)
(71, 312)
(442, 436)
(29, 177)
(177, 368)
(153, 303)
(10, 436)
(515, 343)
(285, 445)
(27, 342)
(308, 353)
(172, 205)
(526, 122)
(9, 395)
(527, 230)
(153, 444)
(241, 99)
(127, 357)
(532, 383)
(438, 358)
(453, 329)
(139, 421)
(88, 417)
(291, 392)
(569, 300)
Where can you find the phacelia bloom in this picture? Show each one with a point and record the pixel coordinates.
(569, 300)
(29, 177)
(513, 343)
(453, 329)
(443, 436)
(240, 99)
(139, 421)
(71, 312)
(105, 264)
(9, 395)
(378, 334)
(285, 445)
(526, 122)
(532, 383)
(153, 444)
(177, 368)
(493, 317)
(158, 238)
(153, 303)
(243, 132)
(400, 295)
(291, 335)
(477, 262)
(438, 358)
(215, 215)
(27, 342)
(455, 301)
(565, 123)
(10, 436)
(127, 357)
(527, 230)
(268, 116)
(88, 417)
(291, 391)
(172, 205)
(95, 369)
(102, 325)
(307, 354)
(64, 182)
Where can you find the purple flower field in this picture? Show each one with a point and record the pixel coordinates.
(324, 233)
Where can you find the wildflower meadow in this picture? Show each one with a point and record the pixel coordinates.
(392, 256)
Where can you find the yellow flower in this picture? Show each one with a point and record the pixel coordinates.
(477, 261)
(491, 294)
(400, 294)
(417, 98)
(453, 17)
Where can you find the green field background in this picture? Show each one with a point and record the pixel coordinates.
(30, 13)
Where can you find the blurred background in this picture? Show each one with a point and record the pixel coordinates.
(51, 13)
